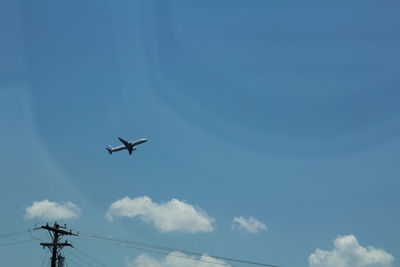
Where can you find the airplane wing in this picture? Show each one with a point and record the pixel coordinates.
(126, 143)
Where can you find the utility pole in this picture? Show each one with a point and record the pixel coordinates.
(56, 233)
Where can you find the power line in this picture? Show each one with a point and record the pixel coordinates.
(45, 258)
(33, 237)
(90, 257)
(79, 258)
(160, 252)
(156, 247)
(57, 231)
(175, 255)
(73, 261)
(15, 233)
(164, 253)
(16, 242)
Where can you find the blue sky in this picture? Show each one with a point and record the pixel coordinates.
(285, 112)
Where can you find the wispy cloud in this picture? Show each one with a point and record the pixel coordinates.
(250, 225)
(48, 210)
(174, 259)
(347, 252)
(172, 216)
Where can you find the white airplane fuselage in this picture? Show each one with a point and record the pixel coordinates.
(130, 146)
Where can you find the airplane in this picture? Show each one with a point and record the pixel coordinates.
(130, 146)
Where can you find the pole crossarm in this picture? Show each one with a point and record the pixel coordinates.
(65, 244)
(56, 229)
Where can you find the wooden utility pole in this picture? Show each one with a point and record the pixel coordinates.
(56, 232)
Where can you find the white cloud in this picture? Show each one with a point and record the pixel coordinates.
(174, 259)
(142, 260)
(173, 216)
(349, 253)
(48, 210)
(251, 224)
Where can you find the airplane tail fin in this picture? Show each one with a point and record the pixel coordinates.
(109, 149)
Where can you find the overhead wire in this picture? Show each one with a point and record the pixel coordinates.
(175, 255)
(44, 259)
(14, 233)
(17, 233)
(163, 253)
(16, 242)
(74, 262)
(33, 237)
(79, 258)
(152, 248)
(156, 247)
(90, 257)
